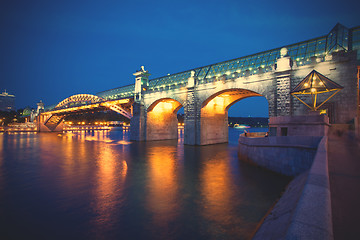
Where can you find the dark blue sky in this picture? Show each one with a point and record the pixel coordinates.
(50, 50)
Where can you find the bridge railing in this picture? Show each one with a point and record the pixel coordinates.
(248, 65)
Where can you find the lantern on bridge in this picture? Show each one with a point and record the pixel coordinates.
(313, 84)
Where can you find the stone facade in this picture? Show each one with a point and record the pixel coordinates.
(305, 125)
(206, 105)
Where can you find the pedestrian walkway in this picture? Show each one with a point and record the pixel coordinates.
(344, 173)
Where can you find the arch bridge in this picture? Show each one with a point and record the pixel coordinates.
(52, 119)
(206, 93)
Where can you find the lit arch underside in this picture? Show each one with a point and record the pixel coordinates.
(223, 100)
(214, 114)
(162, 120)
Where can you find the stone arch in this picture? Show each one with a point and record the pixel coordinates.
(232, 96)
(214, 114)
(173, 102)
(161, 119)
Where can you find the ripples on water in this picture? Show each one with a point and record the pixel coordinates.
(100, 185)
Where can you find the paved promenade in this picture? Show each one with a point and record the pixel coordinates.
(344, 173)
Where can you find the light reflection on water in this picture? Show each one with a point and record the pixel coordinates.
(216, 188)
(164, 202)
(100, 185)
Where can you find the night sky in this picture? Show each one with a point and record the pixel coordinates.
(50, 50)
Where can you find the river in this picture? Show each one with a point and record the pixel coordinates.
(99, 185)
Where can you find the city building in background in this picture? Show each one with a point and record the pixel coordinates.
(7, 101)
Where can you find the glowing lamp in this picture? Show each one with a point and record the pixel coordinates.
(315, 83)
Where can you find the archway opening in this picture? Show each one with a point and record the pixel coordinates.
(214, 114)
(250, 114)
(162, 119)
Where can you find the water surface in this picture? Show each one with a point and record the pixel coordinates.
(91, 185)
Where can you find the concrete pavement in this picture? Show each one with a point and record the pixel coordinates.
(344, 173)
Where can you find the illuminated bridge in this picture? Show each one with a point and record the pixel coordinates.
(82, 103)
(206, 93)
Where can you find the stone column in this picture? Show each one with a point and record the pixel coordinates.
(192, 114)
(283, 78)
(141, 83)
(138, 121)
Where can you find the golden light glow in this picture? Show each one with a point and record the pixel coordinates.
(162, 199)
(216, 105)
(110, 179)
(323, 111)
(165, 105)
(216, 190)
(220, 103)
(162, 119)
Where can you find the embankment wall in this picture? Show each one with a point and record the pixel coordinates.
(304, 210)
(288, 155)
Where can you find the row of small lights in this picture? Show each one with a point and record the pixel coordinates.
(25, 132)
(319, 59)
(21, 129)
(83, 123)
(314, 79)
(215, 76)
(87, 128)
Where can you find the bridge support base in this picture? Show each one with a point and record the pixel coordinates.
(138, 123)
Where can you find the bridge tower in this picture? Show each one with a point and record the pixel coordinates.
(283, 76)
(138, 122)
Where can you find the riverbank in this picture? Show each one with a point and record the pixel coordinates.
(304, 210)
(288, 155)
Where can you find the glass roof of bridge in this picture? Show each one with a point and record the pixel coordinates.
(355, 41)
(339, 38)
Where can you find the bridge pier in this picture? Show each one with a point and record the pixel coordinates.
(214, 125)
(138, 122)
(43, 126)
(192, 115)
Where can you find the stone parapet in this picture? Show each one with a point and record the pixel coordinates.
(304, 210)
(312, 217)
(304, 125)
